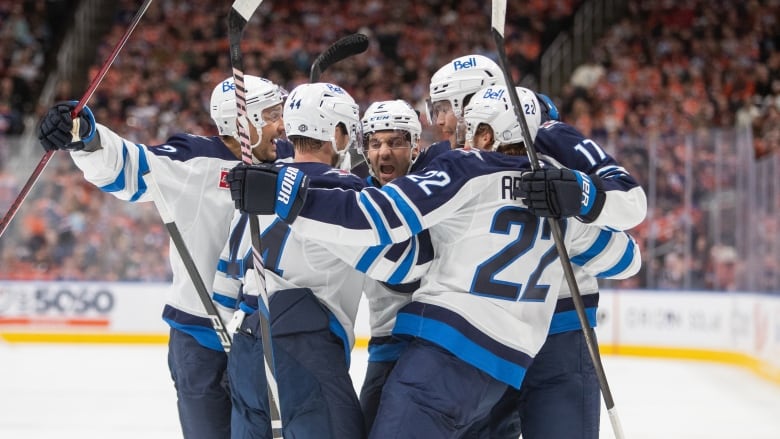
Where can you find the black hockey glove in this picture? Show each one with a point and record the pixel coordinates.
(55, 129)
(267, 189)
(562, 193)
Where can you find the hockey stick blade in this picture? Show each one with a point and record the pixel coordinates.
(498, 21)
(345, 47)
(9, 215)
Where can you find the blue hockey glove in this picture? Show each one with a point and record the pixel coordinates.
(55, 129)
(561, 193)
(267, 189)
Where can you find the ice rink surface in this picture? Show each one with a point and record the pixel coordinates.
(124, 391)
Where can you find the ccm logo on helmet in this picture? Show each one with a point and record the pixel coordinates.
(228, 86)
(458, 64)
(490, 94)
(288, 182)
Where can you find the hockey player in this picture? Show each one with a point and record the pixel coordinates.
(620, 203)
(484, 307)
(313, 295)
(190, 171)
(562, 379)
(391, 132)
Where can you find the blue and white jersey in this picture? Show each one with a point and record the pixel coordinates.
(492, 285)
(386, 299)
(190, 171)
(625, 207)
(564, 146)
(292, 261)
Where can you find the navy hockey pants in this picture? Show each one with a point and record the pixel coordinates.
(318, 399)
(559, 399)
(431, 394)
(199, 375)
(371, 392)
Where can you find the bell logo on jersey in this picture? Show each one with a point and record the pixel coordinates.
(223, 183)
(469, 63)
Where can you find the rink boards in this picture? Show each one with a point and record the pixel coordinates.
(736, 328)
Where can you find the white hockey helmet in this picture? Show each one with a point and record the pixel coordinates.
(460, 78)
(395, 115)
(492, 106)
(314, 110)
(260, 94)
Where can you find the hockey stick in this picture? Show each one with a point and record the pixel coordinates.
(83, 101)
(498, 20)
(186, 257)
(240, 13)
(343, 48)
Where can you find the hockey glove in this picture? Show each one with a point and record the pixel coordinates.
(266, 189)
(56, 129)
(561, 193)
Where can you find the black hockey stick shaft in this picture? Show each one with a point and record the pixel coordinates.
(345, 47)
(83, 101)
(498, 21)
(240, 13)
(189, 263)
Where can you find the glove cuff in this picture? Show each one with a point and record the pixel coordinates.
(291, 186)
(595, 196)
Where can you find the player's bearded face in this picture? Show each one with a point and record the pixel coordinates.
(390, 154)
(273, 129)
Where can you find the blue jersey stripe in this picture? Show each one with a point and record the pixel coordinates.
(376, 218)
(568, 321)
(143, 168)
(198, 327)
(454, 341)
(119, 182)
(623, 263)
(368, 258)
(597, 247)
(406, 210)
(405, 266)
(226, 301)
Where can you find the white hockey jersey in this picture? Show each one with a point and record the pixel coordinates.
(190, 171)
(492, 286)
(294, 262)
(625, 206)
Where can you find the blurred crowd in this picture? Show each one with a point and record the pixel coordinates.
(667, 70)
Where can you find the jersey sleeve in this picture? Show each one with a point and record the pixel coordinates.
(398, 264)
(117, 167)
(397, 211)
(625, 205)
(603, 253)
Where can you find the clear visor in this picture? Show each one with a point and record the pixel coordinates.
(393, 139)
(434, 109)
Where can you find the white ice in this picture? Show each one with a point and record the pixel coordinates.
(124, 391)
